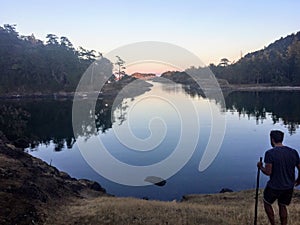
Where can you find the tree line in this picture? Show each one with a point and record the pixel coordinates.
(277, 64)
(30, 65)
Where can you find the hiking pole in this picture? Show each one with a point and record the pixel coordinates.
(256, 194)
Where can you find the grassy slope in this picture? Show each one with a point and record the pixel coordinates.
(227, 208)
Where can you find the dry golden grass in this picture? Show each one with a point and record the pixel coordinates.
(216, 209)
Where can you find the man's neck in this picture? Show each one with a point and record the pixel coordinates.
(278, 144)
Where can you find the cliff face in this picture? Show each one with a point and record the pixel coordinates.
(29, 186)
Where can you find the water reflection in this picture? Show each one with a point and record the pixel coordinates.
(47, 126)
(32, 122)
(281, 105)
(182, 82)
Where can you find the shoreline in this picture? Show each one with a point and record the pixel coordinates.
(83, 95)
(263, 88)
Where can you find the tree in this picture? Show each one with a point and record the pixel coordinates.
(65, 42)
(89, 55)
(11, 29)
(31, 38)
(27, 65)
(224, 62)
(52, 39)
(120, 67)
(294, 61)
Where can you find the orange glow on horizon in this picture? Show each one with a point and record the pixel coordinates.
(150, 67)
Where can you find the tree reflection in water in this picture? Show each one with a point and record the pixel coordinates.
(34, 122)
(282, 106)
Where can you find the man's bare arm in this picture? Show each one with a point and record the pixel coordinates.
(267, 169)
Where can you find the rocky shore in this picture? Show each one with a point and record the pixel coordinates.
(29, 186)
(113, 91)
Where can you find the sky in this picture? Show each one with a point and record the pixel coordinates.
(210, 29)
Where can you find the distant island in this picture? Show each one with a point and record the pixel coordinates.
(143, 76)
(30, 66)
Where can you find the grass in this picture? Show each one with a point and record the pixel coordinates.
(221, 209)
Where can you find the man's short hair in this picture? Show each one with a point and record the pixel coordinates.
(277, 136)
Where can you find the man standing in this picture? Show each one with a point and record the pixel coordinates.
(280, 163)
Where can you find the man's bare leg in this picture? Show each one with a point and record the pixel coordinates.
(270, 212)
(283, 214)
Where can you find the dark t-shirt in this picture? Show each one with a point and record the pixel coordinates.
(283, 160)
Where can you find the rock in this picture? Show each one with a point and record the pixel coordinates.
(11, 146)
(28, 185)
(224, 190)
(21, 143)
(64, 175)
(158, 181)
(92, 185)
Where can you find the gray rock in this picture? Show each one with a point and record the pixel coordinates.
(224, 190)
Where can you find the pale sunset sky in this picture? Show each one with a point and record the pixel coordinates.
(210, 29)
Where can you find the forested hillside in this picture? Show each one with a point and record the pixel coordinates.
(277, 64)
(29, 65)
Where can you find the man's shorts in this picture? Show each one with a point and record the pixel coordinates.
(284, 197)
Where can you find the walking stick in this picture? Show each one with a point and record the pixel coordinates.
(256, 194)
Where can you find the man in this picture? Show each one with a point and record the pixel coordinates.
(280, 163)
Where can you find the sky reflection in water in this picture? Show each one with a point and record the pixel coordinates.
(249, 116)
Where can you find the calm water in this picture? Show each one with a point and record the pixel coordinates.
(47, 124)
